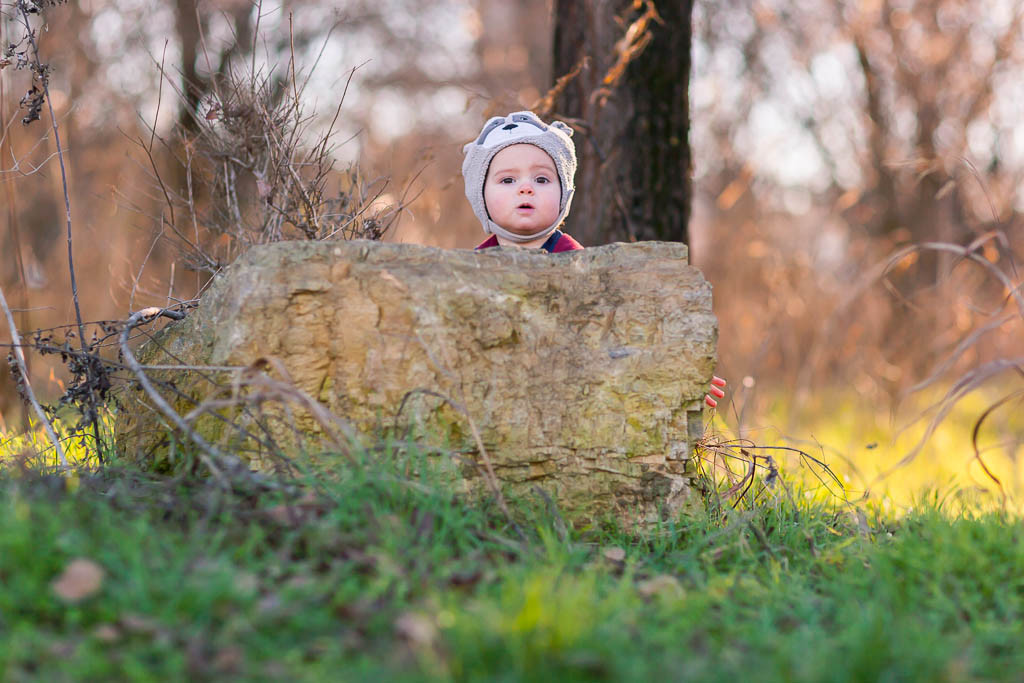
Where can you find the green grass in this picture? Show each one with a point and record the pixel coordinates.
(385, 578)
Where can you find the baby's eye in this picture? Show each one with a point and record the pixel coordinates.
(507, 181)
(543, 179)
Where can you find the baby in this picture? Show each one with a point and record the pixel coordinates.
(519, 180)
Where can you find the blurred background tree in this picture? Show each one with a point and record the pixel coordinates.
(630, 102)
(828, 136)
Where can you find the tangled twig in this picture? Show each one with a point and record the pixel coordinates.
(208, 454)
(717, 453)
(340, 434)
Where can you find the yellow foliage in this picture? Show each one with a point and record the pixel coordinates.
(33, 446)
(869, 449)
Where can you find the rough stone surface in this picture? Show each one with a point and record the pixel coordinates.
(583, 371)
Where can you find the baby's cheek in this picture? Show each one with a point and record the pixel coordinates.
(488, 197)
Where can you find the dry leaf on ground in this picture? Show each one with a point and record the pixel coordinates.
(662, 584)
(107, 633)
(81, 579)
(418, 629)
(614, 554)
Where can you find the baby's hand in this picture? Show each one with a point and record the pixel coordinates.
(716, 383)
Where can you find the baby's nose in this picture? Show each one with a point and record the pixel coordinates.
(526, 188)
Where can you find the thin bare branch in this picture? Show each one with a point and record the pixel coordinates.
(208, 454)
(45, 82)
(18, 357)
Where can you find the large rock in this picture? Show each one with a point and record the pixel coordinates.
(583, 372)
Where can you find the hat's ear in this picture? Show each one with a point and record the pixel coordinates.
(564, 127)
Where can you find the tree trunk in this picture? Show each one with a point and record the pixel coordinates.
(189, 31)
(633, 181)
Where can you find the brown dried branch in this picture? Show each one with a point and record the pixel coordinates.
(974, 439)
(961, 348)
(545, 106)
(965, 385)
(878, 273)
(1014, 290)
(632, 44)
(268, 389)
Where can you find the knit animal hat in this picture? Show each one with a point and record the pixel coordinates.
(521, 127)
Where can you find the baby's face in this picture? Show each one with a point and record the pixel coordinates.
(522, 192)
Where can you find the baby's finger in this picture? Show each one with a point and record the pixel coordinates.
(718, 381)
(712, 403)
(717, 393)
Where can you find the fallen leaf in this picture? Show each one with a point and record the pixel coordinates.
(228, 660)
(81, 579)
(418, 629)
(662, 584)
(614, 554)
(286, 515)
(297, 512)
(139, 624)
(106, 633)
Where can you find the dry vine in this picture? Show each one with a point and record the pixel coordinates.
(716, 460)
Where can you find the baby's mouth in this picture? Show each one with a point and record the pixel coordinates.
(525, 205)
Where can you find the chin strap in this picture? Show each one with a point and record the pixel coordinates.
(519, 239)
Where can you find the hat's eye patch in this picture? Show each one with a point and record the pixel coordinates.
(510, 131)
